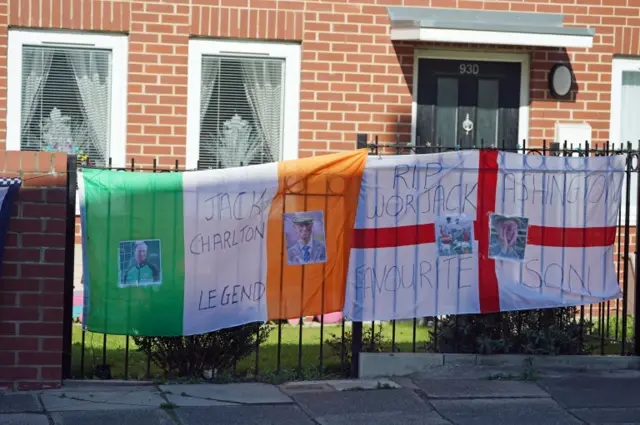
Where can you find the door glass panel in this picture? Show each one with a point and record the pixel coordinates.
(446, 111)
(487, 112)
(630, 124)
(630, 129)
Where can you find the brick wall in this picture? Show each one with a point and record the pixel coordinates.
(32, 283)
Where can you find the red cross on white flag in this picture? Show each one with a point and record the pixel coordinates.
(483, 231)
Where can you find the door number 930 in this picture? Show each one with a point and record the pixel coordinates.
(469, 68)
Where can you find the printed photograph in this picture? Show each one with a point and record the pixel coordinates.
(454, 235)
(508, 239)
(140, 263)
(305, 237)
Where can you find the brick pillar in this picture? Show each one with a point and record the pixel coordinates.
(32, 283)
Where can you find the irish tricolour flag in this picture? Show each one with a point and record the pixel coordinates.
(185, 253)
(482, 232)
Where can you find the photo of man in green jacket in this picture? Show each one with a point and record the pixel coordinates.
(141, 271)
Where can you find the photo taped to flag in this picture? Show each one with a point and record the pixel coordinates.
(140, 263)
(305, 237)
(508, 237)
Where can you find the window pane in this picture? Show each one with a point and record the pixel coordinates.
(487, 112)
(630, 128)
(447, 112)
(241, 111)
(630, 124)
(66, 95)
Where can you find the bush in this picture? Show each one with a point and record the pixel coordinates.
(190, 356)
(550, 331)
(372, 342)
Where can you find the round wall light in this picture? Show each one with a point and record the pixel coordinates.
(560, 80)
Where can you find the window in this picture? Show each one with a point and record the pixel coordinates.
(625, 126)
(243, 103)
(67, 93)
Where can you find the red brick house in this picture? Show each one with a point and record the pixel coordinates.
(159, 79)
(216, 83)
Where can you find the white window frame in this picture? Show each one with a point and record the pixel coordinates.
(619, 65)
(119, 46)
(290, 52)
(525, 75)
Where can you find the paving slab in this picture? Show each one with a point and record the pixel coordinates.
(243, 415)
(405, 382)
(521, 411)
(385, 418)
(19, 403)
(453, 371)
(398, 364)
(607, 416)
(111, 417)
(292, 388)
(23, 419)
(101, 400)
(367, 401)
(479, 388)
(373, 365)
(363, 384)
(188, 401)
(245, 393)
(586, 391)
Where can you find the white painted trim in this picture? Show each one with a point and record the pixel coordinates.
(525, 65)
(290, 52)
(119, 46)
(444, 35)
(619, 65)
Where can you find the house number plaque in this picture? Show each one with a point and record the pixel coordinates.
(470, 68)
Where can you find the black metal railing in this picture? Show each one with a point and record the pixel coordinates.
(310, 349)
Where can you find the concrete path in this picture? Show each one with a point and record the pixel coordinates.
(421, 399)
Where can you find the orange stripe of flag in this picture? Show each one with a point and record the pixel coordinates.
(329, 183)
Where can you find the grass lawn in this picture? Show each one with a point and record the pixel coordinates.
(268, 353)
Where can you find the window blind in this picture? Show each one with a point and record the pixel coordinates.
(241, 111)
(66, 95)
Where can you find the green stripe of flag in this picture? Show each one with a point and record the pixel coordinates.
(120, 207)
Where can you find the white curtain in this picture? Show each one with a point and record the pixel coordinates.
(237, 144)
(94, 94)
(36, 65)
(263, 87)
(210, 70)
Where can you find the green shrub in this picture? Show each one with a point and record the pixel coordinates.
(190, 356)
(372, 342)
(549, 331)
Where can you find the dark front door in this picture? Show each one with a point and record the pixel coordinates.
(468, 103)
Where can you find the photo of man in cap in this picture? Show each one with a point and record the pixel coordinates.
(307, 248)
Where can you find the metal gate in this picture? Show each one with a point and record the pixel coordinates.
(313, 347)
